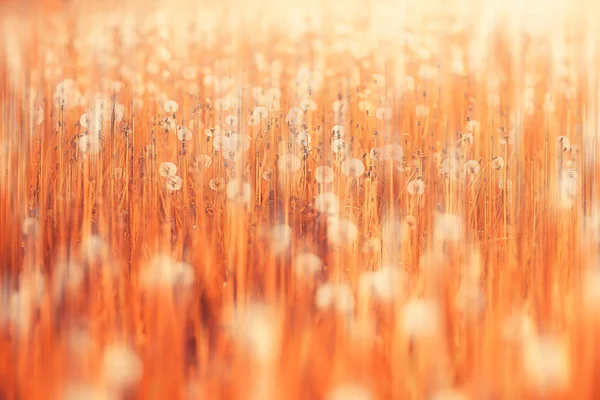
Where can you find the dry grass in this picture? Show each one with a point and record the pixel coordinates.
(446, 247)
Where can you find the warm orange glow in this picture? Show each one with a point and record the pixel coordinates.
(299, 200)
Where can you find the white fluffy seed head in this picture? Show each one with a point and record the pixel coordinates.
(238, 191)
(167, 169)
(415, 187)
(338, 296)
(280, 238)
(289, 163)
(341, 232)
(546, 363)
(171, 106)
(353, 168)
(420, 319)
(258, 329)
(324, 174)
(163, 272)
(447, 227)
(121, 367)
(307, 264)
(174, 183)
(327, 203)
(385, 284)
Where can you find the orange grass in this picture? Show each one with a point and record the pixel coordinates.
(484, 285)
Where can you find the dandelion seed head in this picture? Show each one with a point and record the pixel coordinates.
(338, 296)
(546, 363)
(415, 187)
(497, 163)
(420, 319)
(337, 131)
(280, 238)
(89, 144)
(163, 272)
(383, 113)
(216, 184)
(238, 191)
(121, 367)
(93, 248)
(338, 146)
(170, 106)
(353, 168)
(174, 183)
(341, 232)
(184, 134)
(303, 139)
(324, 174)
(307, 264)
(288, 163)
(167, 169)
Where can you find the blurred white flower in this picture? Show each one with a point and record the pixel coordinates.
(353, 167)
(288, 163)
(383, 113)
(231, 120)
(447, 227)
(307, 264)
(171, 106)
(324, 174)
(327, 203)
(121, 367)
(393, 152)
(184, 134)
(335, 295)
(303, 139)
(338, 146)
(385, 284)
(238, 191)
(420, 319)
(163, 271)
(308, 104)
(216, 184)
(471, 168)
(415, 187)
(341, 232)
(258, 329)
(546, 363)
(280, 238)
(337, 131)
(89, 144)
(174, 183)
(167, 169)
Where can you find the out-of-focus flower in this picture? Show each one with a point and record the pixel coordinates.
(353, 168)
(238, 191)
(307, 264)
(167, 169)
(163, 271)
(121, 367)
(420, 319)
(341, 232)
(174, 183)
(288, 163)
(415, 187)
(335, 295)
